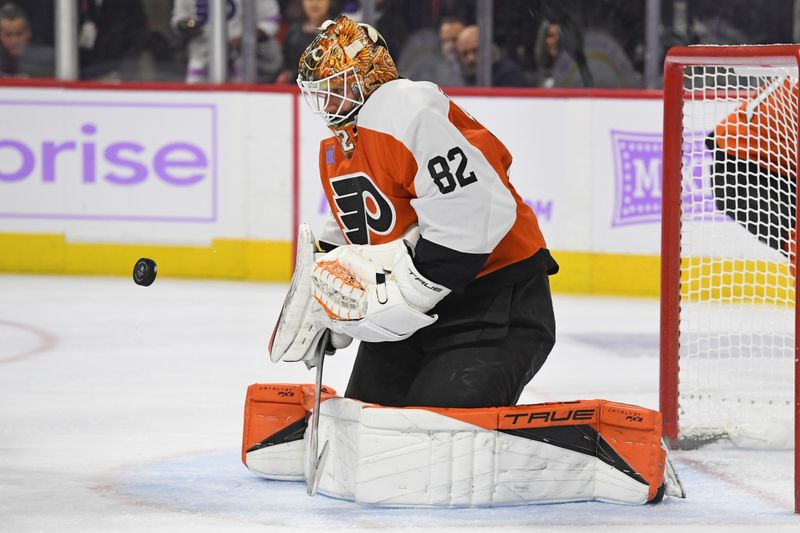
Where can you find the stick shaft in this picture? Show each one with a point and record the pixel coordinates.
(313, 435)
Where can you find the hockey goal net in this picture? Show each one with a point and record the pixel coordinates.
(729, 367)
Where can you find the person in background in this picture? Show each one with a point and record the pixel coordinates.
(548, 47)
(505, 72)
(111, 37)
(190, 20)
(15, 34)
(300, 36)
(163, 56)
(429, 54)
(449, 30)
(18, 58)
(41, 19)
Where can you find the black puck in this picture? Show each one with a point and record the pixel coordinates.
(144, 272)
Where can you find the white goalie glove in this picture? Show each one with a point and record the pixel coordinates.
(302, 321)
(374, 293)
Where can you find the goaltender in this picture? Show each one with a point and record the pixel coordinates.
(420, 195)
(435, 264)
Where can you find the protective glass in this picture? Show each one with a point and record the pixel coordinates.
(336, 97)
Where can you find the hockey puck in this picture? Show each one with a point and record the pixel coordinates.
(144, 272)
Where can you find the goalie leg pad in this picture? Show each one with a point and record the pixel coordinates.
(275, 422)
(432, 457)
(547, 453)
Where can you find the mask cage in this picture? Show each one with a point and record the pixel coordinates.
(328, 97)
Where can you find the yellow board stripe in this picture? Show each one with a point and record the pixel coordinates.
(606, 274)
(705, 279)
(580, 273)
(225, 258)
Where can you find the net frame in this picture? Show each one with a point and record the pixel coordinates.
(677, 60)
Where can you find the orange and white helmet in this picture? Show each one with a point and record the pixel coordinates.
(343, 65)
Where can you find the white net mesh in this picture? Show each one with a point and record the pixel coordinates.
(737, 294)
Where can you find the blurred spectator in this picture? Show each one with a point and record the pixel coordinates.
(163, 56)
(15, 35)
(291, 14)
(18, 57)
(190, 20)
(397, 19)
(111, 37)
(41, 19)
(569, 56)
(431, 56)
(547, 51)
(300, 36)
(505, 72)
(449, 30)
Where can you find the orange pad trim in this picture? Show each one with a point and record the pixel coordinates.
(269, 408)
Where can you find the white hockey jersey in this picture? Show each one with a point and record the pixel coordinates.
(420, 159)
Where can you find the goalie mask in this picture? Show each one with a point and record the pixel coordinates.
(339, 70)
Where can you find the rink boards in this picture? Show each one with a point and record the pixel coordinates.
(211, 183)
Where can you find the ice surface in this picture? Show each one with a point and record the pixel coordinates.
(121, 410)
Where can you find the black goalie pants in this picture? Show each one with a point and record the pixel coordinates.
(487, 344)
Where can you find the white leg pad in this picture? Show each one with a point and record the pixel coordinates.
(588, 450)
(415, 457)
(284, 462)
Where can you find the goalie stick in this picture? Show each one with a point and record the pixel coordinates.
(316, 462)
(673, 486)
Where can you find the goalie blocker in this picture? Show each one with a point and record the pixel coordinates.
(590, 450)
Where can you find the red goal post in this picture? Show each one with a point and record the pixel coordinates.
(733, 268)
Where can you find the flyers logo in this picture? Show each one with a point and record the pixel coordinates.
(361, 207)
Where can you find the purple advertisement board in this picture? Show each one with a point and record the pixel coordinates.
(638, 177)
(109, 160)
